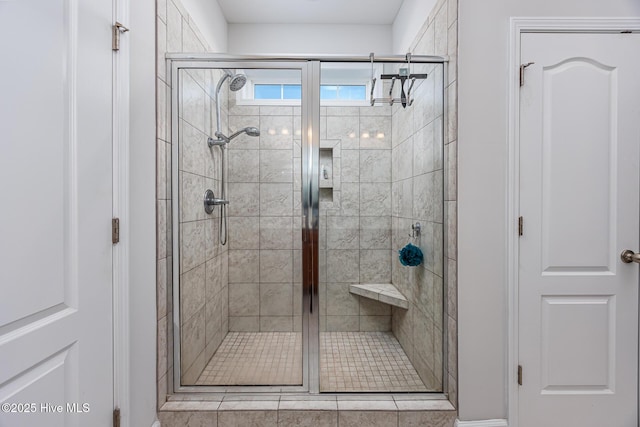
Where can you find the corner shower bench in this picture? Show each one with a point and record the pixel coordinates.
(383, 292)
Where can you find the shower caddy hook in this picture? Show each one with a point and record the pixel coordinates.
(404, 75)
(415, 230)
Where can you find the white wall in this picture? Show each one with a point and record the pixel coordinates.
(409, 20)
(482, 172)
(211, 22)
(315, 39)
(142, 297)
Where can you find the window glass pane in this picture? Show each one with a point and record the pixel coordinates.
(292, 92)
(328, 92)
(267, 92)
(352, 92)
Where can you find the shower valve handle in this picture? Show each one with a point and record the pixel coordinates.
(210, 200)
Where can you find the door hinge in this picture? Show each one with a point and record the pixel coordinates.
(519, 374)
(520, 226)
(116, 417)
(115, 230)
(522, 67)
(117, 29)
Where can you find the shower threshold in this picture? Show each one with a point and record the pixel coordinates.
(302, 409)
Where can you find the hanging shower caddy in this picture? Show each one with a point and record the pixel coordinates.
(403, 76)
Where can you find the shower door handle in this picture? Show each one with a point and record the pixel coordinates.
(305, 229)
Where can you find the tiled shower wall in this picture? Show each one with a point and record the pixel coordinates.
(176, 32)
(265, 276)
(417, 198)
(419, 178)
(203, 260)
(264, 218)
(355, 217)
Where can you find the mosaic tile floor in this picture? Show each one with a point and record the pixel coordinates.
(349, 362)
(365, 362)
(256, 358)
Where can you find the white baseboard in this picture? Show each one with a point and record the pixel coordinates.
(484, 423)
(156, 423)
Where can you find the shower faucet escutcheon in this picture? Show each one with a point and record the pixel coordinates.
(210, 201)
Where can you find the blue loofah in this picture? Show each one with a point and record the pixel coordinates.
(410, 255)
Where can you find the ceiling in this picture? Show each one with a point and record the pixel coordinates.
(381, 12)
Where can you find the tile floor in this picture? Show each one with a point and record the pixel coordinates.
(256, 358)
(349, 362)
(365, 362)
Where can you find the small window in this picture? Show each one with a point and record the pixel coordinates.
(291, 92)
(267, 92)
(327, 92)
(352, 92)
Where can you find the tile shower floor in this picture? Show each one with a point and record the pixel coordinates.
(349, 362)
(256, 358)
(365, 362)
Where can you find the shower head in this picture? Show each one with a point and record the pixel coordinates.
(237, 81)
(251, 131)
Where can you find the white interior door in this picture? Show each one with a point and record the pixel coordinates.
(579, 185)
(55, 213)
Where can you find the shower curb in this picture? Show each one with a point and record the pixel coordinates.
(372, 410)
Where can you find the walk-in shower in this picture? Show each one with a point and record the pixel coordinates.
(324, 178)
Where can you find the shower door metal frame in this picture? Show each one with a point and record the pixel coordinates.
(310, 157)
(310, 141)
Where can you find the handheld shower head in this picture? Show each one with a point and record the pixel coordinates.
(251, 131)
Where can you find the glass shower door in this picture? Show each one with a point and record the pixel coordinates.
(286, 275)
(237, 221)
(381, 189)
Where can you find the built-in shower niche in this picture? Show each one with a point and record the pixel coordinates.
(329, 180)
(326, 175)
(326, 168)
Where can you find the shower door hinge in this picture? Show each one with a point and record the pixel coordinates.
(519, 374)
(117, 29)
(116, 417)
(520, 226)
(115, 230)
(522, 67)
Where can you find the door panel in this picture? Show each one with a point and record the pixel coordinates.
(579, 175)
(55, 169)
(564, 219)
(570, 362)
(381, 175)
(240, 301)
(36, 131)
